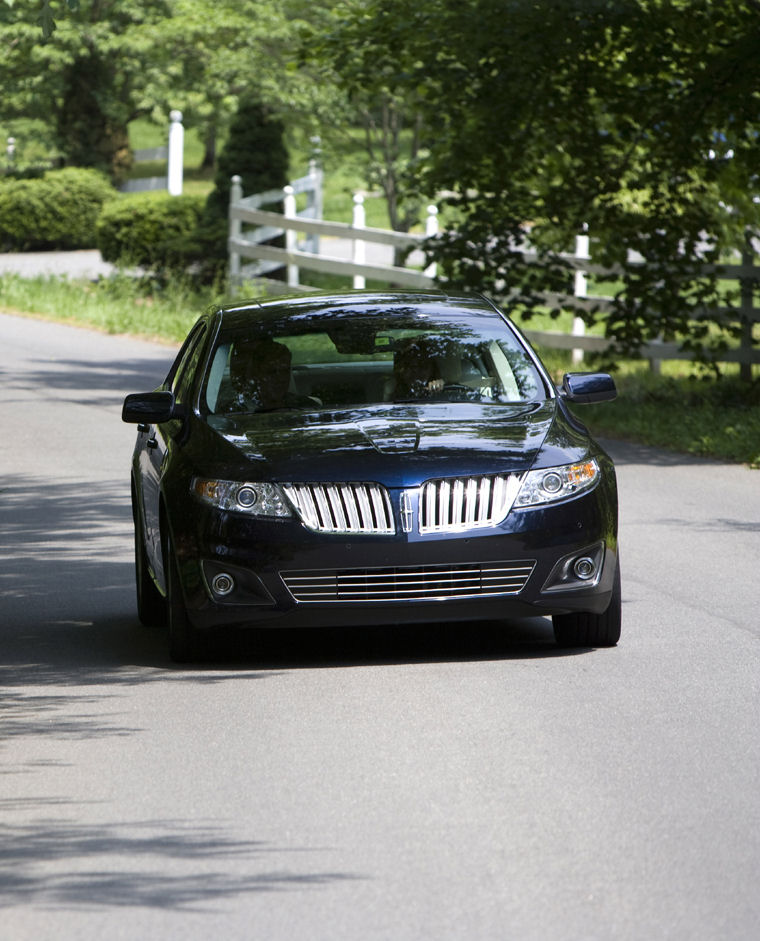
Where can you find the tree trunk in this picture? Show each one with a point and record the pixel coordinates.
(87, 135)
(209, 149)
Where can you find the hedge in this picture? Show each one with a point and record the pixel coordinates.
(143, 228)
(57, 211)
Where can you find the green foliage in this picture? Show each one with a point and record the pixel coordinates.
(106, 64)
(638, 119)
(141, 228)
(90, 79)
(255, 151)
(349, 53)
(57, 211)
(47, 21)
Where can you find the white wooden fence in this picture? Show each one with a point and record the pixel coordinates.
(245, 243)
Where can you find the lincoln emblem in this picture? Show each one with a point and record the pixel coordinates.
(405, 503)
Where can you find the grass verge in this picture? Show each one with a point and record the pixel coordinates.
(120, 304)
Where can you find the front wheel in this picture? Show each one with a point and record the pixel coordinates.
(151, 604)
(583, 629)
(184, 645)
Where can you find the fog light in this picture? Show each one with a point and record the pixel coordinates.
(585, 568)
(222, 584)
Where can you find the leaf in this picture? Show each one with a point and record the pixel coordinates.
(46, 21)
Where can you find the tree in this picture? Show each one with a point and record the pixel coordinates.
(255, 151)
(107, 63)
(355, 49)
(224, 50)
(90, 80)
(637, 118)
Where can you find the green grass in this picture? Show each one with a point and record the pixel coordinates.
(115, 305)
(696, 416)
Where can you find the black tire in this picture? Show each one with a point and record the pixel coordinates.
(184, 645)
(151, 604)
(583, 629)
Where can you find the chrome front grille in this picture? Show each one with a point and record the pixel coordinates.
(466, 503)
(343, 507)
(418, 583)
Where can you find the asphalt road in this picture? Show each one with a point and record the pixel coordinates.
(447, 782)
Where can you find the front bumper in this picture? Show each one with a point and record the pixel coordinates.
(264, 557)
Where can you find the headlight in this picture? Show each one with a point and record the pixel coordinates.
(557, 483)
(256, 499)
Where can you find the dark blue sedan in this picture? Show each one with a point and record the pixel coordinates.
(369, 458)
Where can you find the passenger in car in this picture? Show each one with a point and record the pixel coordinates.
(261, 378)
(260, 373)
(415, 371)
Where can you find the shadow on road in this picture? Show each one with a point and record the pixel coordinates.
(165, 864)
(85, 382)
(71, 651)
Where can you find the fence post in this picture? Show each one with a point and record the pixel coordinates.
(236, 194)
(431, 229)
(291, 236)
(11, 152)
(359, 253)
(580, 290)
(314, 199)
(175, 155)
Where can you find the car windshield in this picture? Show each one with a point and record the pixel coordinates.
(336, 362)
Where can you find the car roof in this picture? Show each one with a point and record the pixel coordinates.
(240, 313)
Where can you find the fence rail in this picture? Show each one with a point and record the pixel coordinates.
(269, 224)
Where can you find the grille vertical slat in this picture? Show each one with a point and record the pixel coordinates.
(471, 501)
(485, 495)
(336, 504)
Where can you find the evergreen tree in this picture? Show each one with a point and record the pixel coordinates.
(255, 151)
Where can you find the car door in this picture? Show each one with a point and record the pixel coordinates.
(157, 444)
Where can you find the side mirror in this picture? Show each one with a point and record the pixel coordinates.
(588, 387)
(150, 408)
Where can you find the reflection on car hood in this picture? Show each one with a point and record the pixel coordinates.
(390, 443)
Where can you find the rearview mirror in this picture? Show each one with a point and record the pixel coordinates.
(588, 387)
(150, 408)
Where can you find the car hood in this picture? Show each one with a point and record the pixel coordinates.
(393, 444)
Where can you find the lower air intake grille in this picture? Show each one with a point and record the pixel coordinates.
(420, 583)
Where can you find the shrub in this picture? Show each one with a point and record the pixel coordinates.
(144, 228)
(57, 211)
(255, 151)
